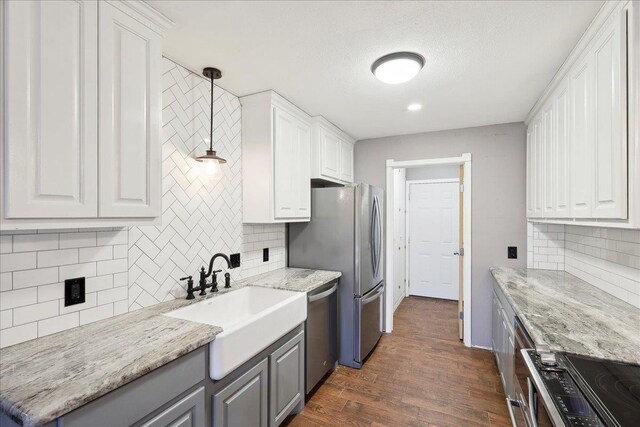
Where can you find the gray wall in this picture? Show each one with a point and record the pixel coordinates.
(434, 172)
(498, 197)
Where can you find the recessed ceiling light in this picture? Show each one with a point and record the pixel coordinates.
(398, 67)
(414, 107)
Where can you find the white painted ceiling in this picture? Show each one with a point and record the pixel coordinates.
(486, 62)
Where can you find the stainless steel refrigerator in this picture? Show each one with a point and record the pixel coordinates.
(345, 234)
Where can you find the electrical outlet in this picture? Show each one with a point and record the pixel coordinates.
(512, 252)
(74, 291)
(265, 255)
(235, 260)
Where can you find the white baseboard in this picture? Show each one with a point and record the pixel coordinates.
(481, 347)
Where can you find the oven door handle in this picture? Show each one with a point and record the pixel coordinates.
(511, 414)
(533, 400)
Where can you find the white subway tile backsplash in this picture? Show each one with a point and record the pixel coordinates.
(58, 324)
(6, 319)
(17, 334)
(35, 277)
(98, 253)
(6, 282)
(54, 291)
(19, 261)
(607, 258)
(32, 313)
(35, 242)
(116, 237)
(99, 283)
(59, 257)
(97, 313)
(87, 269)
(112, 266)
(90, 302)
(18, 298)
(112, 295)
(6, 244)
(77, 240)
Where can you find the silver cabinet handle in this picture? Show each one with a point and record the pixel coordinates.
(316, 297)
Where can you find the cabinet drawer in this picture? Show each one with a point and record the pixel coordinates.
(187, 412)
(137, 400)
(286, 379)
(244, 401)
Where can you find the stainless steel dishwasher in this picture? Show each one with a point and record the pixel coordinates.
(321, 334)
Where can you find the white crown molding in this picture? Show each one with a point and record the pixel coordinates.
(144, 13)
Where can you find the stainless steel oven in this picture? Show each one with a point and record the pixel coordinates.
(528, 394)
(521, 373)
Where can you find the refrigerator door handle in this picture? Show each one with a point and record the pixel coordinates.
(375, 240)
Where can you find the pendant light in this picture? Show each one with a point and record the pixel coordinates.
(210, 159)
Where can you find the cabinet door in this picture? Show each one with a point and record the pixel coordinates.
(187, 412)
(50, 108)
(329, 154)
(303, 174)
(610, 186)
(581, 118)
(530, 172)
(548, 151)
(286, 379)
(129, 116)
(243, 402)
(291, 166)
(561, 158)
(538, 166)
(346, 161)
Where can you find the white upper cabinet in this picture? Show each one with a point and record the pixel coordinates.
(82, 109)
(331, 153)
(346, 161)
(129, 122)
(561, 158)
(610, 94)
(581, 162)
(276, 157)
(581, 87)
(548, 157)
(50, 110)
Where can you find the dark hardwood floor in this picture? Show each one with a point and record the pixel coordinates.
(420, 375)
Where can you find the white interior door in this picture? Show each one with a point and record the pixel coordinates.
(433, 215)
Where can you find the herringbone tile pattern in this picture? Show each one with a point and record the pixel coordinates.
(201, 215)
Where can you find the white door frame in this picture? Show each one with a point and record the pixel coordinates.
(465, 160)
(406, 222)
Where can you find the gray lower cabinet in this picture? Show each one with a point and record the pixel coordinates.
(187, 412)
(286, 379)
(243, 402)
(146, 399)
(503, 339)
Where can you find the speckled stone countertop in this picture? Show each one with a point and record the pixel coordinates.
(570, 315)
(43, 379)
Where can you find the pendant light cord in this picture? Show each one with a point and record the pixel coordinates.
(211, 119)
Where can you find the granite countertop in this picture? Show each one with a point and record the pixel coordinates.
(48, 377)
(571, 315)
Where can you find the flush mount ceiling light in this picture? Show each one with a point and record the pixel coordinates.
(210, 159)
(398, 67)
(414, 107)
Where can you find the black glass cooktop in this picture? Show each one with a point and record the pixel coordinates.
(613, 388)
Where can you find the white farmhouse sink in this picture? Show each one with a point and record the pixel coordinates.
(252, 318)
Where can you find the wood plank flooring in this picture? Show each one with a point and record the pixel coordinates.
(420, 375)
